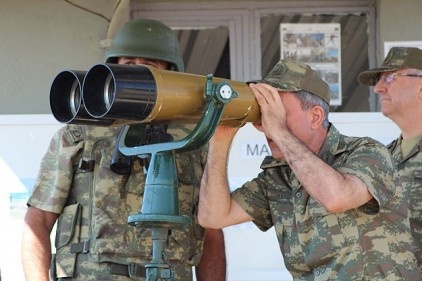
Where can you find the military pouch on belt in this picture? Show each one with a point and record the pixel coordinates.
(68, 234)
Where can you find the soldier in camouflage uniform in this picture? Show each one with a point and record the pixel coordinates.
(398, 82)
(92, 203)
(330, 197)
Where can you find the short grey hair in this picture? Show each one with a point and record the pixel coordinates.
(308, 100)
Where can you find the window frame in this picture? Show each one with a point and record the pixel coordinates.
(242, 19)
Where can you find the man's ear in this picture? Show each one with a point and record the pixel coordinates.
(317, 117)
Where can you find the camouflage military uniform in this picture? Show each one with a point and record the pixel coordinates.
(410, 178)
(367, 243)
(94, 204)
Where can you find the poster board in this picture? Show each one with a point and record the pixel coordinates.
(319, 46)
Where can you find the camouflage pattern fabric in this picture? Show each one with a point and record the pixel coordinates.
(410, 179)
(371, 242)
(95, 205)
(293, 76)
(397, 58)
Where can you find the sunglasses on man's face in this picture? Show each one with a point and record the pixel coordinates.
(388, 78)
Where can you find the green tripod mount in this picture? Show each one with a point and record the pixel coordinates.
(160, 207)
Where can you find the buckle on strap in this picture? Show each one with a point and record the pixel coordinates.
(131, 270)
(86, 165)
(136, 270)
(81, 247)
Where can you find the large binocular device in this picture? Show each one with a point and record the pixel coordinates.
(113, 94)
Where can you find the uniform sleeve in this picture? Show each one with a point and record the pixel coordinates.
(56, 170)
(253, 200)
(371, 162)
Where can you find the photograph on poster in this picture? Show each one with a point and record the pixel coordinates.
(319, 46)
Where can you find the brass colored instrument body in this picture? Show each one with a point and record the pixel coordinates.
(113, 94)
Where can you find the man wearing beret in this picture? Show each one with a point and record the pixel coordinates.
(398, 82)
(330, 197)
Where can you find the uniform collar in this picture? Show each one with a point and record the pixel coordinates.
(395, 148)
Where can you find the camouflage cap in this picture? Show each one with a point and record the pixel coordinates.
(292, 76)
(397, 58)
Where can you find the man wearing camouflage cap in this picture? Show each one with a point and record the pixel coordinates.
(331, 198)
(398, 82)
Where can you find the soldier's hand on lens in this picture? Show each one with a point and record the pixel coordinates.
(273, 112)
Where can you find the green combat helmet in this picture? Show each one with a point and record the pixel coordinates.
(146, 38)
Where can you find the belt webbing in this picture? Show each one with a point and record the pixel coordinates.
(82, 247)
(128, 269)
